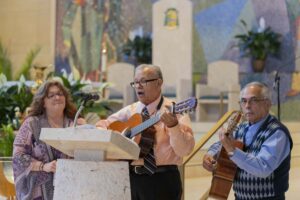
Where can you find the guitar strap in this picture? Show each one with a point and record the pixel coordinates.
(160, 103)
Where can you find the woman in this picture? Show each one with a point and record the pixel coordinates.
(34, 162)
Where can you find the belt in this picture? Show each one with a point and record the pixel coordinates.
(140, 169)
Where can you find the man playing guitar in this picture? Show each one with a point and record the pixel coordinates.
(169, 140)
(264, 162)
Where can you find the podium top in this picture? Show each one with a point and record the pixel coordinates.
(67, 140)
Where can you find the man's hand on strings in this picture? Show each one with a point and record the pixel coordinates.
(226, 140)
(168, 118)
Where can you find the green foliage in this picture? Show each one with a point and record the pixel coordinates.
(12, 97)
(6, 108)
(5, 63)
(19, 96)
(259, 45)
(73, 88)
(100, 107)
(140, 48)
(25, 69)
(6, 140)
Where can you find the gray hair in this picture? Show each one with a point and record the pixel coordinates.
(155, 68)
(265, 91)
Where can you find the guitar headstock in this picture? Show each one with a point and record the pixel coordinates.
(185, 106)
(233, 121)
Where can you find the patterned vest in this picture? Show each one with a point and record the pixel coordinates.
(247, 186)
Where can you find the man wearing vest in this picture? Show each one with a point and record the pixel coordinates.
(155, 175)
(264, 163)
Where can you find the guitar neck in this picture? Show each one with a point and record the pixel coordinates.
(179, 108)
(146, 124)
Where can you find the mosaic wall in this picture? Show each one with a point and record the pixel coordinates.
(84, 26)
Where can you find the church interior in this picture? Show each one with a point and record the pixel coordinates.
(205, 49)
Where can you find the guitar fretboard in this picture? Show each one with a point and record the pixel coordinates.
(146, 124)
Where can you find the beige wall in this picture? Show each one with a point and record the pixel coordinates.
(25, 25)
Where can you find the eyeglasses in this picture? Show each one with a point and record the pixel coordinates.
(251, 101)
(142, 83)
(52, 95)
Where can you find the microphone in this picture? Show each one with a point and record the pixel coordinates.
(88, 96)
(85, 98)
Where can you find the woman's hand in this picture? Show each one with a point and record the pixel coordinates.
(50, 166)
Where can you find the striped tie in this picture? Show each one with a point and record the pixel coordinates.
(149, 162)
(149, 159)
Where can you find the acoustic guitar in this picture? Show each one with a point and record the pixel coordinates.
(225, 170)
(135, 124)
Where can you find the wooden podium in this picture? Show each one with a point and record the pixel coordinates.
(92, 174)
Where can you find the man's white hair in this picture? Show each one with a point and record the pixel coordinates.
(265, 91)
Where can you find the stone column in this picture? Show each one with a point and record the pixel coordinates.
(172, 43)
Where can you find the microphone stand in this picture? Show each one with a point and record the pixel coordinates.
(81, 107)
(85, 99)
(277, 85)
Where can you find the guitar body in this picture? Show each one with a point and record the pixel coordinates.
(224, 174)
(147, 139)
(133, 121)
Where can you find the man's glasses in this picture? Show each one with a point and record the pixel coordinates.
(251, 101)
(142, 83)
(52, 95)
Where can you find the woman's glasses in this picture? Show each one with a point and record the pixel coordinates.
(51, 95)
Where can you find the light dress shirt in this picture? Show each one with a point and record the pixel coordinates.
(273, 151)
(171, 144)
